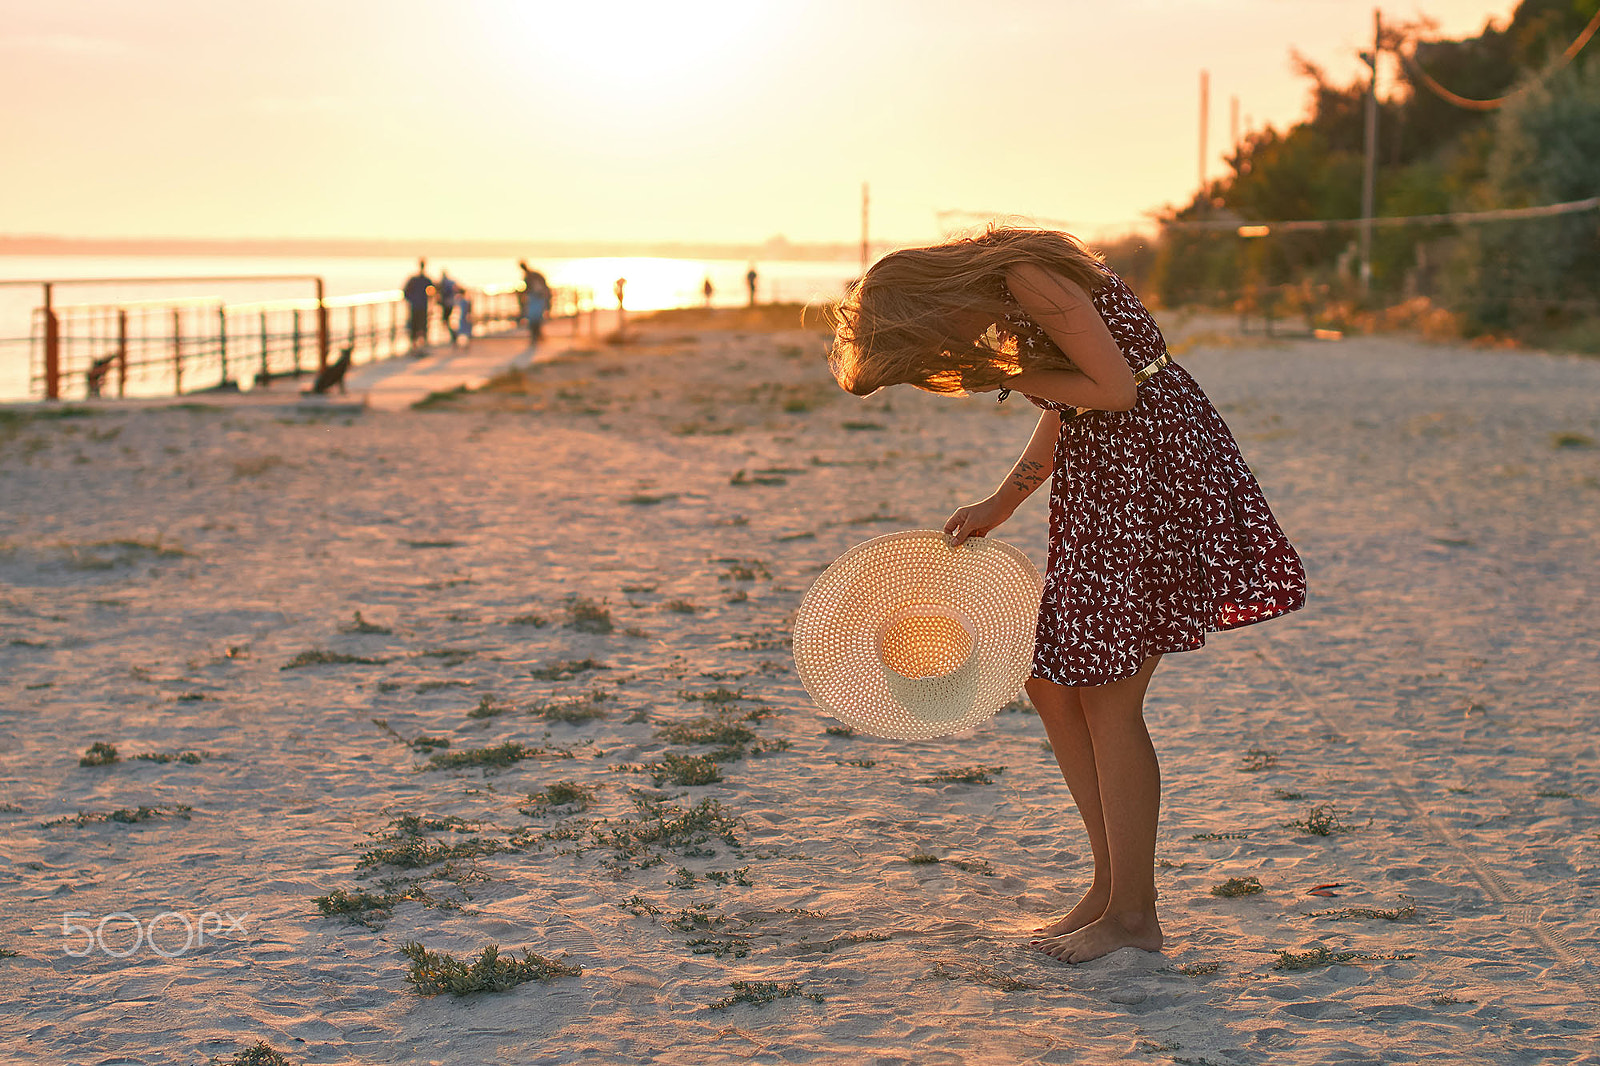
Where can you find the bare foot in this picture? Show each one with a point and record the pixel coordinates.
(1103, 936)
(1090, 907)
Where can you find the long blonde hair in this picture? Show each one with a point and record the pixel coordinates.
(897, 324)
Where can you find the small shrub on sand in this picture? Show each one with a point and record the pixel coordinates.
(757, 993)
(666, 825)
(190, 757)
(361, 625)
(537, 621)
(560, 794)
(982, 974)
(684, 770)
(730, 737)
(1571, 440)
(488, 707)
(1408, 909)
(583, 709)
(1235, 887)
(587, 616)
(260, 1053)
(323, 657)
(1321, 820)
(1258, 759)
(567, 669)
(839, 731)
(99, 754)
(498, 756)
(722, 695)
(125, 815)
(360, 907)
(680, 606)
(434, 973)
(968, 775)
(1321, 956)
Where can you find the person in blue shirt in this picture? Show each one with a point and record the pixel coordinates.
(446, 290)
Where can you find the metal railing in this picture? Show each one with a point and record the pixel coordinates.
(178, 345)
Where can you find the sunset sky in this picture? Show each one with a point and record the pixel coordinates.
(637, 119)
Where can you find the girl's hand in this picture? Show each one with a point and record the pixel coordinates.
(977, 519)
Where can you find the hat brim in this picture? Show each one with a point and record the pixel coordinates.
(838, 631)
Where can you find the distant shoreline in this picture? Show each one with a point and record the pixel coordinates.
(770, 250)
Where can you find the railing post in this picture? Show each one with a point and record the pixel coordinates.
(222, 346)
(322, 328)
(394, 328)
(296, 342)
(177, 352)
(52, 349)
(266, 370)
(122, 352)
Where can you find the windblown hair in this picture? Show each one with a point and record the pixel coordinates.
(898, 324)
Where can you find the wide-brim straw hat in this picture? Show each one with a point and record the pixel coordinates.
(907, 636)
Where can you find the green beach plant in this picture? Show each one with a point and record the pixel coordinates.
(434, 973)
(99, 754)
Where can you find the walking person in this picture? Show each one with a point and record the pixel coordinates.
(463, 331)
(1159, 533)
(446, 288)
(536, 296)
(417, 291)
(750, 283)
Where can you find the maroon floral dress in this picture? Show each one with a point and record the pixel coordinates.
(1159, 533)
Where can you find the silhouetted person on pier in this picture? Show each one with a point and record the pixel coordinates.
(750, 281)
(417, 290)
(463, 330)
(706, 288)
(535, 299)
(446, 290)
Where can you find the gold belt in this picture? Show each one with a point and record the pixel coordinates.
(1140, 376)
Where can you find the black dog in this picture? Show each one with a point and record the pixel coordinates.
(333, 373)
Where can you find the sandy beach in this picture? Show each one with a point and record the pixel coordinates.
(512, 669)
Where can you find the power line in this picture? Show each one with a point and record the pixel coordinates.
(1490, 105)
(1263, 229)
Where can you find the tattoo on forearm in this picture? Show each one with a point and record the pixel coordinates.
(1028, 475)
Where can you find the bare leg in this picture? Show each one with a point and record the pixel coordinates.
(1061, 711)
(1130, 804)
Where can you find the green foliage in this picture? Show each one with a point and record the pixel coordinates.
(260, 1053)
(1321, 820)
(1235, 887)
(1545, 146)
(758, 993)
(566, 669)
(560, 794)
(434, 973)
(498, 756)
(124, 815)
(360, 907)
(99, 754)
(588, 616)
(967, 775)
(322, 657)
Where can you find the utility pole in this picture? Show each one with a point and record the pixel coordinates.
(1205, 111)
(863, 229)
(1370, 170)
